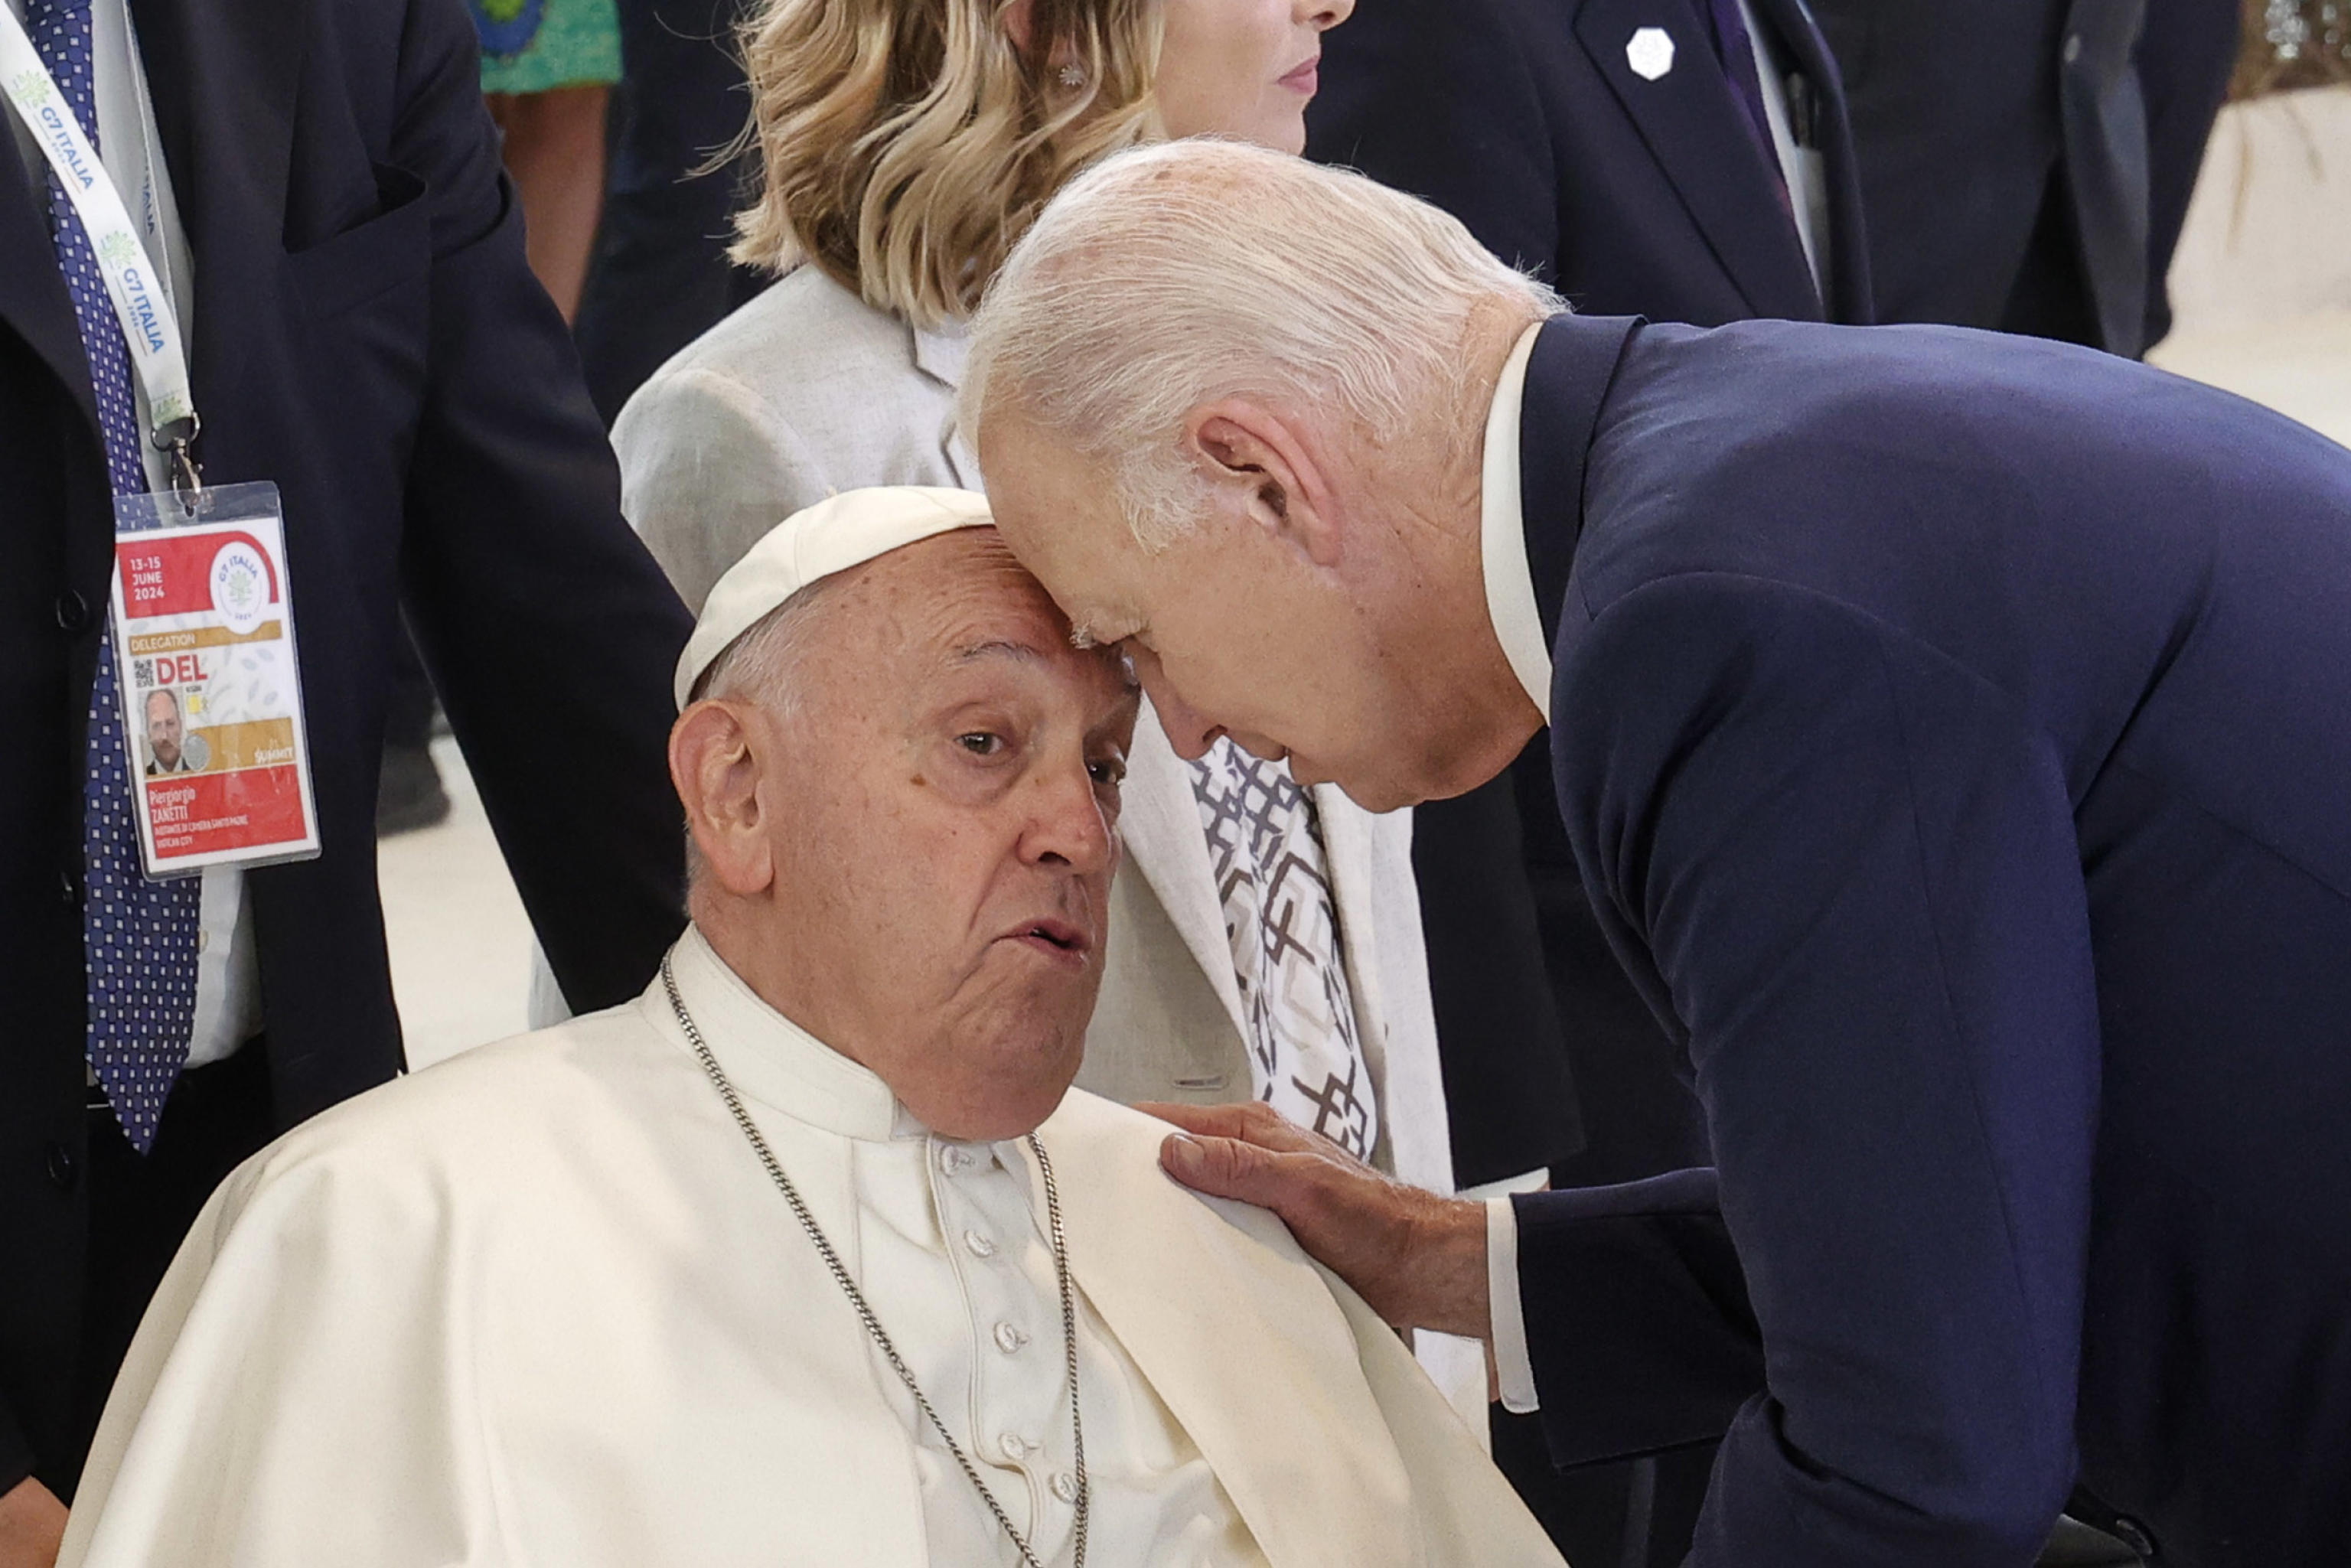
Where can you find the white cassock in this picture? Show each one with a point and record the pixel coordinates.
(540, 1305)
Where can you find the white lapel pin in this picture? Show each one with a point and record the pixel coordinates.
(1650, 52)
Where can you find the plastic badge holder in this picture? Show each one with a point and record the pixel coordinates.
(210, 686)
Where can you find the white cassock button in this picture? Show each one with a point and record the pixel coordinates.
(1650, 52)
(1015, 1447)
(203, 938)
(2073, 50)
(979, 1246)
(953, 1160)
(1010, 1339)
(1065, 1486)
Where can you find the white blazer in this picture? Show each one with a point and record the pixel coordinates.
(807, 391)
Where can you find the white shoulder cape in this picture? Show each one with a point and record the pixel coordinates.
(539, 1306)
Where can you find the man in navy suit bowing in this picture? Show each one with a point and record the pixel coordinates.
(1951, 734)
(1681, 160)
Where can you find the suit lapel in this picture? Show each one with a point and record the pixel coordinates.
(941, 356)
(1697, 133)
(225, 115)
(1159, 822)
(1848, 248)
(1267, 1385)
(33, 297)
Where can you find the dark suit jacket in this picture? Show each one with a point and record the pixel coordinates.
(368, 335)
(2057, 137)
(1954, 732)
(1525, 120)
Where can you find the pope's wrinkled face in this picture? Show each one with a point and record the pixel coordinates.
(1230, 630)
(940, 803)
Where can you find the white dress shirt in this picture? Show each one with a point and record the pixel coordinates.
(228, 989)
(1518, 626)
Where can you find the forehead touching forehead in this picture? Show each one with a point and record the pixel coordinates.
(1060, 515)
(947, 607)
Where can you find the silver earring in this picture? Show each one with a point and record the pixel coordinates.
(1071, 76)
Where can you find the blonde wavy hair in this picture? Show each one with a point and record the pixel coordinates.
(906, 145)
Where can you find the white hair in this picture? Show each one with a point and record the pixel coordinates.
(762, 666)
(1168, 277)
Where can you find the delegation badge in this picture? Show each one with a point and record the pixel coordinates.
(212, 694)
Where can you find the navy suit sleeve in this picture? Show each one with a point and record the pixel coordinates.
(550, 632)
(1435, 97)
(1847, 868)
(1646, 1270)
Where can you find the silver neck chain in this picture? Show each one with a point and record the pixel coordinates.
(865, 1314)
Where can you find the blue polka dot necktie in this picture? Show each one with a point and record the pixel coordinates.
(139, 937)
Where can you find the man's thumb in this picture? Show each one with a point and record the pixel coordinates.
(1221, 1167)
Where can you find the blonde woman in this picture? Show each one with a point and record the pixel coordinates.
(1266, 941)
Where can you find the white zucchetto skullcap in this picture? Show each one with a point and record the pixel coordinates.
(837, 533)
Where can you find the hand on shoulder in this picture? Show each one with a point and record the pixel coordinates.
(1416, 1258)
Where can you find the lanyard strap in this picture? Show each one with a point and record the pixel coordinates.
(149, 327)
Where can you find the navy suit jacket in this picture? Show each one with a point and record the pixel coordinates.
(367, 334)
(1525, 120)
(1954, 734)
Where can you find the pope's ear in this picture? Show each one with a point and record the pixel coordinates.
(715, 762)
(1257, 464)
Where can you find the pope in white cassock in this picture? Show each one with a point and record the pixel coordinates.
(811, 1254)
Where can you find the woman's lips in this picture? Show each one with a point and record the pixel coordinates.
(1305, 76)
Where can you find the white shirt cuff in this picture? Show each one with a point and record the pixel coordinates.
(1514, 1369)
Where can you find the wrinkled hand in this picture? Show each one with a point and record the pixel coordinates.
(1418, 1260)
(32, 1524)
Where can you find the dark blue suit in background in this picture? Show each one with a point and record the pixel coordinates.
(661, 277)
(2027, 165)
(1954, 734)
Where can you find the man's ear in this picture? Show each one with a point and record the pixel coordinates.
(1259, 461)
(716, 763)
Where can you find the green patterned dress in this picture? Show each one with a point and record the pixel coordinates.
(530, 45)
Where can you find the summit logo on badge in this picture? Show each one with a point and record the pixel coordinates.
(240, 584)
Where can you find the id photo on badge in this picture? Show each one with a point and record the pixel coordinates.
(169, 745)
(211, 685)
